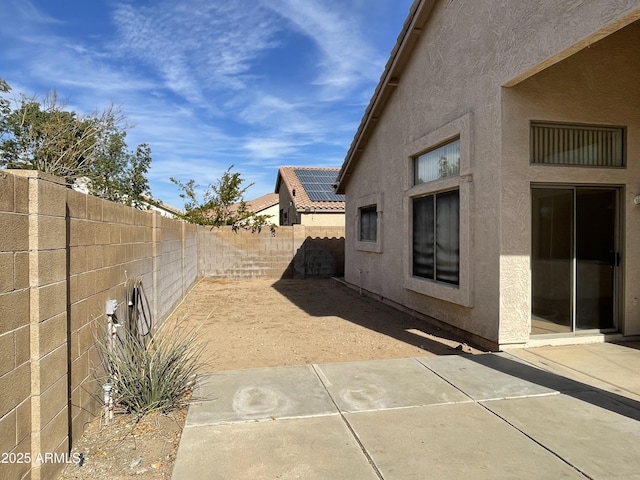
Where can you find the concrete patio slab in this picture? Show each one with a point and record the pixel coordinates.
(452, 441)
(611, 367)
(307, 448)
(259, 394)
(383, 384)
(525, 422)
(490, 377)
(597, 435)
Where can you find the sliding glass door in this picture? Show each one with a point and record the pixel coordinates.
(574, 259)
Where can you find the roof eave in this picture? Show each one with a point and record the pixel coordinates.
(418, 15)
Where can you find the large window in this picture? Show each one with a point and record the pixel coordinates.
(368, 224)
(441, 162)
(438, 203)
(587, 146)
(436, 237)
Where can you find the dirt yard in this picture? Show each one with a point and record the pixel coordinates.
(259, 323)
(266, 323)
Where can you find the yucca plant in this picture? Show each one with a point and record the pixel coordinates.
(152, 373)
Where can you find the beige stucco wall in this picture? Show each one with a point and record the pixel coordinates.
(273, 214)
(452, 82)
(598, 85)
(286, 205)
(322, 219)
(318, 219)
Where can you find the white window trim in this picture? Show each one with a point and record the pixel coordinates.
(461, 294)
(367, 201)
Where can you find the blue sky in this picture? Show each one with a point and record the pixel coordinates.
(209, 83)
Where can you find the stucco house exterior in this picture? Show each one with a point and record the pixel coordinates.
(307, 197)
(266, 205)
(493, 182)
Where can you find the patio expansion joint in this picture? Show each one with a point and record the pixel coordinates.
(259, 420)
(481, 404)
(324, 379)
(522, 432)
(447, 381)
(515, 397)
(548, 363)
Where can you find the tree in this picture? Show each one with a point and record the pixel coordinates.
(222, 204)
(5, 106)
(44, 136)
(119, 175)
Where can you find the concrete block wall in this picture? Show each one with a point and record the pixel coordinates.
(168, 263)
(223, 253)
(295, 251)
(108, 243)
(189, 255)
(15, 367)
(321, 254)
(62, 255)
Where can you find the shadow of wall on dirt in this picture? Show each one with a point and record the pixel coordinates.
(328, 297)
(318, 258)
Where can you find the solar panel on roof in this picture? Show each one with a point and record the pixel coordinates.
(318, 185)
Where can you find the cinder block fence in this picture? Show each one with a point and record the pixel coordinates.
(63, 254)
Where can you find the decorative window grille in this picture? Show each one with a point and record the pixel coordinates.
(587, 146)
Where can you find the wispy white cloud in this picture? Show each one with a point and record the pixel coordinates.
(200, 48)
(347, 58)
(270, 148)
(209, 83)
(23, 13)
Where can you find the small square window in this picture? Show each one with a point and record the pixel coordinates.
(441, 162)
(368, 224)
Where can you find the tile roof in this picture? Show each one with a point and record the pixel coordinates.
(419, 14)
(289, 178)
(259, 204)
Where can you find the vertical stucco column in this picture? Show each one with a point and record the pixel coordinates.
(49, 353)
(515, 225)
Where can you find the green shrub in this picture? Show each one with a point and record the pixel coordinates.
(152, 373)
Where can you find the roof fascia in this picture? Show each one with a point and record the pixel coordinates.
(413, 26)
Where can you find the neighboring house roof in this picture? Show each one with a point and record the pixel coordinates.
(311, 188)
(259, 204)
(163, 208)
(411, 30)
(81, 184)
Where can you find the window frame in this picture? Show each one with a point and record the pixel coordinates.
(459, 129)
(434, 206)
(366, 201)
(417, 158)
(370, 211)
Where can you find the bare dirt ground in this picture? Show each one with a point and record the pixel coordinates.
(265, 323)
(259, 323)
